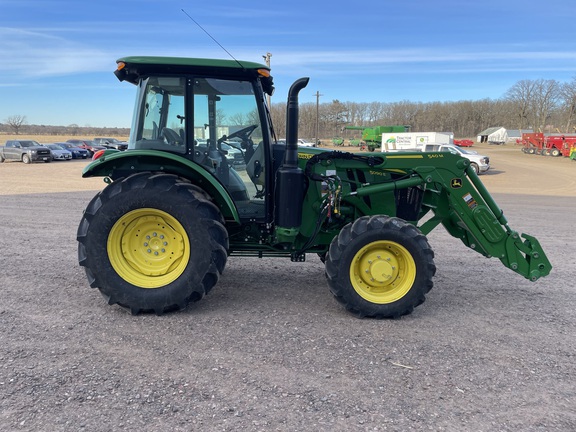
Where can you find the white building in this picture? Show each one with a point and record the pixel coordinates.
(493, 135)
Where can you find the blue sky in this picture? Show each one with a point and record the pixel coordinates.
(57, 56)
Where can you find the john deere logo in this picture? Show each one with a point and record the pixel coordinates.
(456, 183)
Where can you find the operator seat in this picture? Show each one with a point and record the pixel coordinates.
(172, 136)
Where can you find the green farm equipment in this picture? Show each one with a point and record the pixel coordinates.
(205, 179)
(355, 142)
(372, 136)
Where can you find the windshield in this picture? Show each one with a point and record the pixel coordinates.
(222, 107)
(29, 143)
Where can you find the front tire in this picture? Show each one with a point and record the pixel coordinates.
(152, 243)
(380, 267)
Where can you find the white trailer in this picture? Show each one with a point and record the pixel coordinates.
(409, 141)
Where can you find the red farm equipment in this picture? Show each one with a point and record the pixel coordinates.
(532, 142)
(548, 145)
(559, 145)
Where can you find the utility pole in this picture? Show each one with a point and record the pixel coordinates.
(267, 59)
(317, 138)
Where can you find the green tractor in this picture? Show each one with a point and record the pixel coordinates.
(204, 179)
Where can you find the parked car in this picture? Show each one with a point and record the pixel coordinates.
(59, 152)
(111, 143)
(77, 152)
(304, 143)
(89, 145)
(301, 142)
(26, 151)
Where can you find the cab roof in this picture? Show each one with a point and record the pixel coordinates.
(132, 68)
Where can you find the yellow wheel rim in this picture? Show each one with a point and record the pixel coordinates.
(382, 272)
(148, 248)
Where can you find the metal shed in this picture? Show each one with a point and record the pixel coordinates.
(514, 135)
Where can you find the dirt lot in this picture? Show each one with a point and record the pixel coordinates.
(270, 349)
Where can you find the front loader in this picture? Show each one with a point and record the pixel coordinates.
(205, 179)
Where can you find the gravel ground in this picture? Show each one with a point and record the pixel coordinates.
(269, 349)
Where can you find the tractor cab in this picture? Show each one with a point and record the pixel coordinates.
(211, 114)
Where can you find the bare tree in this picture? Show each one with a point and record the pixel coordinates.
(278, 114)
(73, 129)
(568, 95)
(545, 101)
(238, 119)
(16, 122)
(336, 115)
(534, 101)
(374, 114)
(521, 95)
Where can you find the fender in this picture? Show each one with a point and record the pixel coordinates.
(116, 164)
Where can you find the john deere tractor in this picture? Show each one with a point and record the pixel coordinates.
(204, 179)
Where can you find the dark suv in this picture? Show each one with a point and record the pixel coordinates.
(88, 145)
(111, 143)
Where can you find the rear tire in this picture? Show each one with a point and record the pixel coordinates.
(380, 267)
(152, 243)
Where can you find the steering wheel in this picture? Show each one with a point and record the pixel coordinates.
(243, 134)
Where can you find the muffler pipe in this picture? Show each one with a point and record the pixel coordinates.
(291, 156)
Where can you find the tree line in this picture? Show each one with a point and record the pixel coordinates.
(539, 105)
(545, 105)
(18, 124)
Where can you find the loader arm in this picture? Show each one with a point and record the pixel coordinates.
(455, 197)
(467, 211)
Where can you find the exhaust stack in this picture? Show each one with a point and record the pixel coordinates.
(290, 179)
